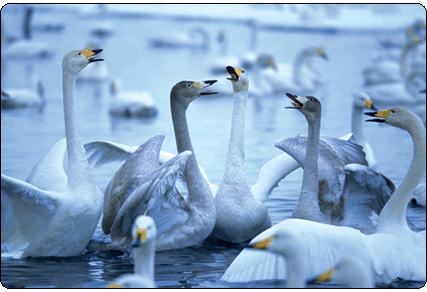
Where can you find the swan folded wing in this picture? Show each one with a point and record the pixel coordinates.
(157, 198)
(347, 151)
(365, 190)
(102, 152)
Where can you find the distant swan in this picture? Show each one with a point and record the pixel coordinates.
(131, 104)
(299, 76)
(144, 250)
(53, 223)
(196, 38)
(23, 97)
(323, 245)
(360, 102)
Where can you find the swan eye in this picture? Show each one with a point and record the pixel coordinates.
(393, 112)
(80, 53)
(243, 71)
(188, 84)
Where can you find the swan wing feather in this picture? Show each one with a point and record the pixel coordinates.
(101, 152)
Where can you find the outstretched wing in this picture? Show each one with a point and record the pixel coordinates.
(102, 152)
(157, 198)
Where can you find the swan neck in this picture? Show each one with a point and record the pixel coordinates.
(199, 193)
(310, 182)
(302, 58)
(78, 168)
(144, 260)
(394, 212)
(357, 125)
(403, 59)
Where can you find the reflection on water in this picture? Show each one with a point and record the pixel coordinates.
(26, 136)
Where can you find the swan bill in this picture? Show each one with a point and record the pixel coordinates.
(382, 115)
(296, 104)
(90, 53)
(203, 84)
(140, 237)
(235, 73)
(369, 104)
(319, 51)
(114, 285)
(263, 244)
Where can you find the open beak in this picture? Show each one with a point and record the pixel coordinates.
(90, 53)
(296, 103)
(381, 116)
(234, 73)
(203, 84)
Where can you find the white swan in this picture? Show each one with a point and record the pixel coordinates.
(23, 97)
(350, 272)
(239, 215)
(419, 195)
(27, 48)
(144, 250)
(131, 104)
(142, 186)
(196, 38)
(338, 194)
(322, 245)
(97, 73)
(224, 58)
(56, 223)
(297, 77)
(360, 102)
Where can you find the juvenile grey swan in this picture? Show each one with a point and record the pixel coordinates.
(52, 222)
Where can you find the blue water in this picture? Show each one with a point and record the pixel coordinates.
(27, 135)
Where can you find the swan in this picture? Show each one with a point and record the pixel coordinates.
(23, 97)
(224, 59)
(239, 216)
(27, 48)
(299, 77)
(142, 186)
(350, 272)
(56, 223)
(131, 104)
(322, 245)
(361, 101)
(144, 250)
(97, 73)
(196, 38)
(338, 194)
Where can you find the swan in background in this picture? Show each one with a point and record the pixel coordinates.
(224, 59)
(131, 104)
(320, 245)
(351, 272)
(299, 76)
(27, 48)
(239, 216)
(196, 38)
(97, 73)
(360, 102)
(144, 251)
(23, 97)
(56, 223)
(338, 194)
(142, 186)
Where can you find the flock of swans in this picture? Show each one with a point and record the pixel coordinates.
(349, 223)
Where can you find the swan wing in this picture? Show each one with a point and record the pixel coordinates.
(101, 152)
(347, 151)
(157, 198)
(365, 191)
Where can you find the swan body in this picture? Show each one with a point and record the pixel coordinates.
(131, 104)
(361, 101)
(322, 245)
(299, 77)
(144, 250)
(419, 195)
(23, 97)
(62, 223)
(239, 215)
(333, 192)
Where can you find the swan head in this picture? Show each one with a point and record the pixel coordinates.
(318, 51)
(362, 100)
(143, 231)
(309, 106)
(239, 78)
(187, 91)
(266, 61)
(397, 117)
(77, 60)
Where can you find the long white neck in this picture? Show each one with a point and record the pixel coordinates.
(199, 193)
(394, 212)
(144, 260)
(78, 168)
(310, 182)
(357, 125)
(302, 58)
